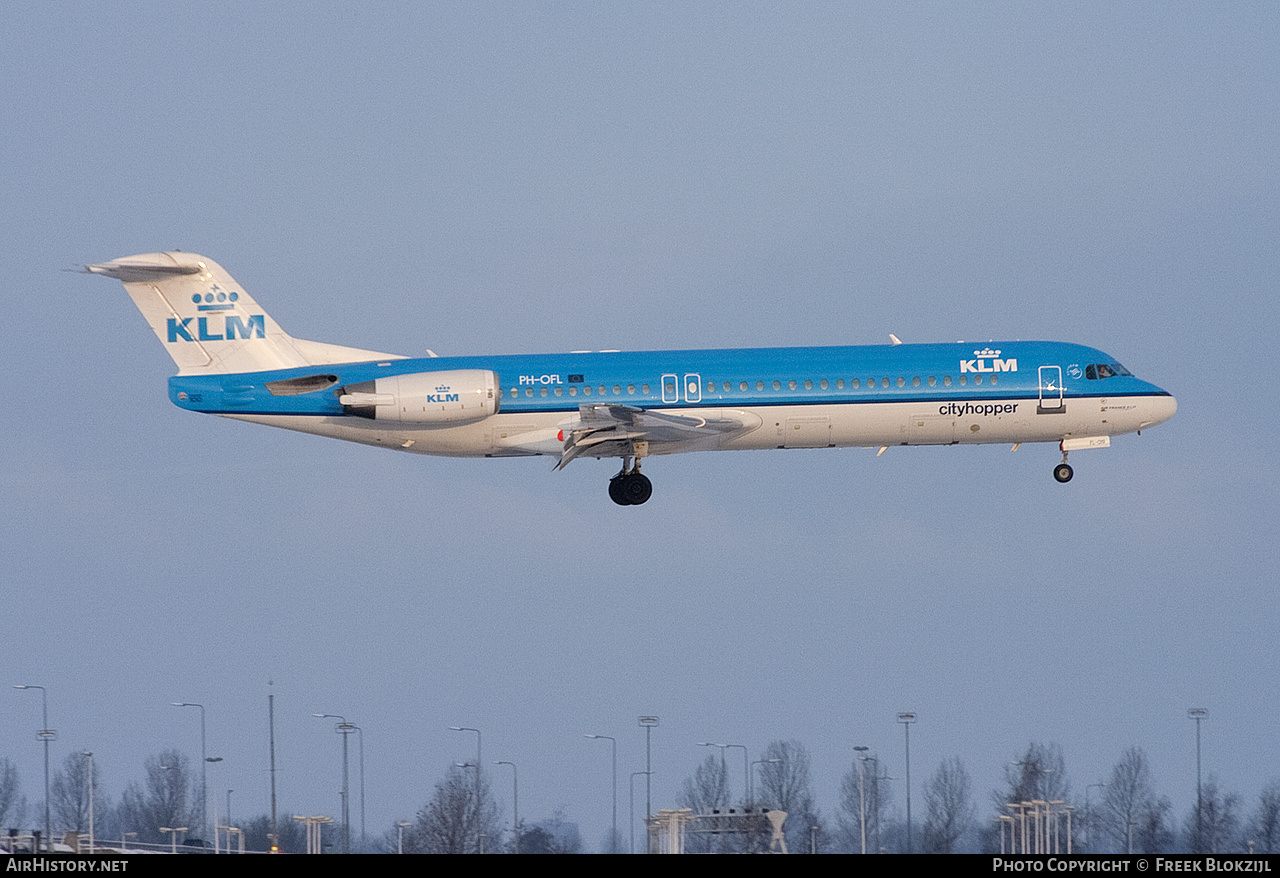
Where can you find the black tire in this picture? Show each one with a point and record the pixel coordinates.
(637, 489)
(617, 490)
(1063, 473)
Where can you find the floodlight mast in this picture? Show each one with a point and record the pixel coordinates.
(907, 719)
(46, 735)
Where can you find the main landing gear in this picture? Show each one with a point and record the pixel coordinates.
(630, 487)
(1062, 472)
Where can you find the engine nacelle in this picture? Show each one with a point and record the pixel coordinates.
(431, 399)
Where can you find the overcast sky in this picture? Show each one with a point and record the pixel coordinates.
(481, 178)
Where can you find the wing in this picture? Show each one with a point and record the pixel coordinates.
(605, 430)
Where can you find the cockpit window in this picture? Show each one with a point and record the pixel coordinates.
(1098, 371)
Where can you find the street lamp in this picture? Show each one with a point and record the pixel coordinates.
(88, 754)
(907, 719)
(213, 760)
(648, 722)
(631, 799)
(862, 795)
(746, 769)
(515, 802)
(1088, 814)
(477, 762)
(613, 839)
(204, 777)
(173, 836)
(364, 847)
(343, 728)
(724, 771)
(751, 796)
(46, 735)
(1197, 714)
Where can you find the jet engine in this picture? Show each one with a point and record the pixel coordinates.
(443, 399)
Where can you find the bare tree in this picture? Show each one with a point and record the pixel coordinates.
(1040, 774)
(706, 791)
(1216, 832)
(1128, 800)
(552, 836)
(13, 805)
(949, 811)
(785, 785)
(163, 799)
(708, 788)
(69, 793)
(1152, 833)
(460, 818)
(1264, 826)
(293, 836)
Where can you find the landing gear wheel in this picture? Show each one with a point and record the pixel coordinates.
(617, 493)
(630, 489)
(637, 488)
(1063, 473)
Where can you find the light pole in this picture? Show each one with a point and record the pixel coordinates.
(344, 728)
(46, 735)
(746, 769)
(173, 836)
(907, 719)
(862, 795)
(1197, 714)
(724, 771)
(648, 722)
(1088, 814)
(214, 760)
(364, 849)
(515, 802)
(613, 839)
(400, 836)
(751, 786)
(89, 755)
(477, 763)
(876, 776)
(204, 776)
(631, 799)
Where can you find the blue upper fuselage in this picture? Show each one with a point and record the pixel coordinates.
(545, 383)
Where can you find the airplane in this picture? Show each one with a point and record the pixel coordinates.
(235, 361)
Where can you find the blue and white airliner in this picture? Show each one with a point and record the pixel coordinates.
(235, 361)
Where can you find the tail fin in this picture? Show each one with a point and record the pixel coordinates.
(208, 323)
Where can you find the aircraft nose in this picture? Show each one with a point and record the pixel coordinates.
(1159, 409)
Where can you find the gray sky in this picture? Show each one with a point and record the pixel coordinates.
(479, 178)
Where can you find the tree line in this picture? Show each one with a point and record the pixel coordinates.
(1123, 814)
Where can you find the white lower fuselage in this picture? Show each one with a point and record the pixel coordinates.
(867, 424)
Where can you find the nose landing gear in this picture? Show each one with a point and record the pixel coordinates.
(1062, 472)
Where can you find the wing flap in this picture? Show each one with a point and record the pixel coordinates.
(607, 430)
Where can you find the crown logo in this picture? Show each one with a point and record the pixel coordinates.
(443, 388)
(217, 299)
(986, 352)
